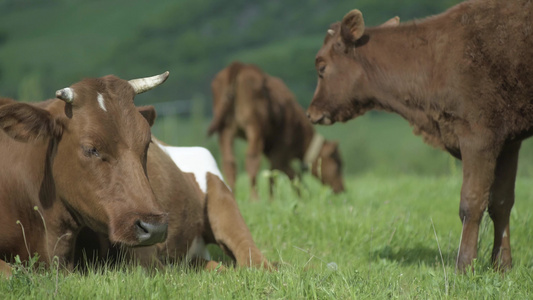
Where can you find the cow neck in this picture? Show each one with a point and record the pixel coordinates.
(61, 225)
(404, 73)
(49, 227)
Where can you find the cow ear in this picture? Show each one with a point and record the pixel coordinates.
(148, 112)
(352, 26)
(391, 22)
(25, 122)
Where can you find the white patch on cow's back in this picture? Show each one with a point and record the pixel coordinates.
(101, 102)
(198, 249)
(196, 160)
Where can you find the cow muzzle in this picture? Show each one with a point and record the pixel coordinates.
(318, 117)
(150, 233)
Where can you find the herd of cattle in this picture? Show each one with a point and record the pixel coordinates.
(82, 172)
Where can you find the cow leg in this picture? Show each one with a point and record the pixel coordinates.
(229, 165)
(281, 165)
(478, 175)
(208, 265)
(253, 156)
(501, 203)
(5, 270)
(212, 265)
(228, 227)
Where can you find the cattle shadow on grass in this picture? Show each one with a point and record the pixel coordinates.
(415, 255)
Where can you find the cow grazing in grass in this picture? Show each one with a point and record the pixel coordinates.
(261, 109)
(73, 162)
(201, 210)
(463, 79)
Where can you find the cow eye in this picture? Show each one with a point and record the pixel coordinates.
(90, 151)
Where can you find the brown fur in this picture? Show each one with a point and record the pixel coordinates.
(214, 216)
(259, 108)
(80, 166)
(464, 81)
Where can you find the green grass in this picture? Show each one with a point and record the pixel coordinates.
(375, 241)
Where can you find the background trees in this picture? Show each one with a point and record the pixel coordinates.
(54, 43)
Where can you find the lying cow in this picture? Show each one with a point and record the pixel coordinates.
(201, 210)
(73, 162)
(463, 79)
(259, 108)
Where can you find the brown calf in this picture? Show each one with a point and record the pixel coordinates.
(74, 163)
(463, 79)
(250, 104)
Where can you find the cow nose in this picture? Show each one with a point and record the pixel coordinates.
(316, 120)
(150, 233)
(314, 115)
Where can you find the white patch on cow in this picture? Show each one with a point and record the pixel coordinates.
(198, 249)
(101, 102)
(196, 160)
(331, 32)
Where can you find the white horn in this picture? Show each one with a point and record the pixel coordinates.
(141, 85)
(66, 94)
(331, 32)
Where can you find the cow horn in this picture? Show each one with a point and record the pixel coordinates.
(66, 94)
(331, 32)
(141, 85)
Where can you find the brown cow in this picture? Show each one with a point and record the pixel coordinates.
(201, 210)
(261, 109)
(464, 81)
(73, 163)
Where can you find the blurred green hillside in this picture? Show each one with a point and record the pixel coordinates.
(47, 45)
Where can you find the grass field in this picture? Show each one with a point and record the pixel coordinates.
(387, 237)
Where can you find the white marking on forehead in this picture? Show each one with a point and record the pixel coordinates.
(331, 32)
(100, 99)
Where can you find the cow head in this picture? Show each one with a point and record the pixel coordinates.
(342, 89)
(328, 166)
(99, 166)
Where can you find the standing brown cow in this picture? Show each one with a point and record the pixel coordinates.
(261, 109)
(201, 210)
(463, 79)
(74, 163)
